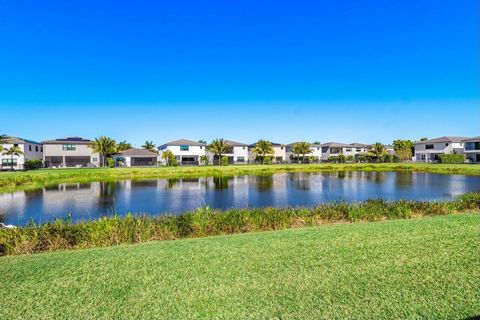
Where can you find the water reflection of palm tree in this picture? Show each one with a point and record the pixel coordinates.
(301, 180)
(403, 179)
(106, 199)
(171, 183)
(220, 182)
(264, 183)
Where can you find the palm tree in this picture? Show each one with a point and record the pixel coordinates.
(168, 156)
(262, 149)
(3, 139)
(204, 159)
(218, 147)
(13, 151)
(149, 145)
(301, 148)
(123, 145)
(104, 146)
(378, 151)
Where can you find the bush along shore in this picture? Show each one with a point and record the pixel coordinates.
(109, 231)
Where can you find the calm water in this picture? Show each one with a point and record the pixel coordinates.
(160, 196)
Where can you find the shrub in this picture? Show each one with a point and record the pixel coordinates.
(110, 163)
(451, 158)
(224, 161)
(33, 164)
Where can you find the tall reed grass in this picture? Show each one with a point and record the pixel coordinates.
(115, 230)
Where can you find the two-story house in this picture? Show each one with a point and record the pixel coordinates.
(187, 152)
(315, 152)
(69, 152)
(430, 150)
(237, 153)
(279, 153)
(472, 149)
(30, 150)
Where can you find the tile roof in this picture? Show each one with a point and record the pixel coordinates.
(443, 139)
(138, 152)
(72, 140)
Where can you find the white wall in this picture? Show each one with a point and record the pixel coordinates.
(27, 154)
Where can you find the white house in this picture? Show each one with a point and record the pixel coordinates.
(187, 152)
(134, 157)
(31, 151)
(332, 149)
(429, 150)
(315, 151)
(279, 153)
(237, 153)
(69, 152)
(472, 149)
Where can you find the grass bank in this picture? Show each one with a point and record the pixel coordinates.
(405, 269)
(203, 222)
(10, 181)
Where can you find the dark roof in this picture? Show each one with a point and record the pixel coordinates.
(359, 145)
(138, 153)
(443, 139)
(334, 144)
(12, 140)
(471, 139)
(312, 145)
(234, 143)
(183, 142)
(72, 140)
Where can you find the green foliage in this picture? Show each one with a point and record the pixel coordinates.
(169, 158)
(404, 149)
(33, 164)
(63, 234)
(123, 145)
(104, 146)
(301, 148)
(350, 158)
(378, 151)
(224, 161)
(110, 162)
(149, 145)
(451, 158)
(204, 160)
(218, 147)
(263, 149)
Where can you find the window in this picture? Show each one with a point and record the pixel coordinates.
(29, 147)
(15, 145)
(41, 149)
(324, 149)
(240, 159)
(348, 150)
(36, 148)
(429, 146)
(184, 148)
(94, 159)
(446, 144)
(358, 150)
(243, 148)
(69, 147)
(8, 162)
(201, 147)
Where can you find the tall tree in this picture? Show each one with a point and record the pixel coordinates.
(169, 157)
(404, 149)
(218, 147)
(149, 145)
(104, 146)
(123, 145)
(378, 151)
(13, 151)
(3, 139)
(202, 141)
(262, 149)
(302, 148)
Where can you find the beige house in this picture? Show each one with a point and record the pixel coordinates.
(69, 152)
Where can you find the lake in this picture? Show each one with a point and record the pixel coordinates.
(173, 196)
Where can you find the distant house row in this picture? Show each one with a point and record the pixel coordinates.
(75, 152)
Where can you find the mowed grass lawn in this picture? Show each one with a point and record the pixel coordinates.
(419, 268)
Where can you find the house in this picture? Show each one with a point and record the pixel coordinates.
(69, 152)
(237, 153)
(356, 148)
(332, 149)
(135, 157)
(31, 150)
(315, 151)
(472, 149)
(429, 150)
(187, 152)
(279, 153)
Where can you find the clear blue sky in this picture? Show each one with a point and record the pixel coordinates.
(282, 70)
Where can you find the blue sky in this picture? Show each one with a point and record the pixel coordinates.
(282, 70)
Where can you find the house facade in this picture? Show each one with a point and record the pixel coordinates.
(279, 153)
(69, 152)
(31, 150)
(187, 152)
(430, 150)
(135, 157)
(315, 152)
(472, 149)
(237, 153)
(332, 149)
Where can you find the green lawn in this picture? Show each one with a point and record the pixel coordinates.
(419, 268)
(10, 181)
